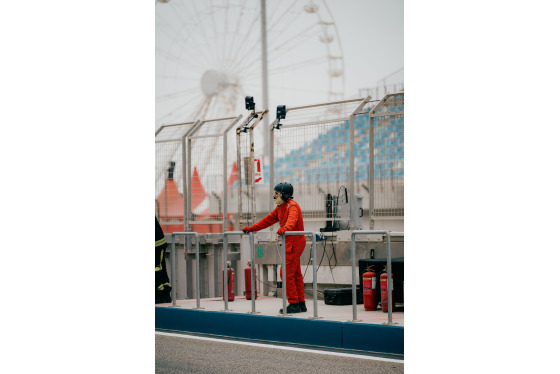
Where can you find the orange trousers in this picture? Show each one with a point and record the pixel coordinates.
(294, 279)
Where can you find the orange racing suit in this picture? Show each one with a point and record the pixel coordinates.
(290, 217)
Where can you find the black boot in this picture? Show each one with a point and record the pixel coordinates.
(160, 297)
(292, 308)
(302, 306)
(168, 294)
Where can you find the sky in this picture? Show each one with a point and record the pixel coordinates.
(196, 37)
(372, 34)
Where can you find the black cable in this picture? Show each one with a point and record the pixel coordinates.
(334, 255)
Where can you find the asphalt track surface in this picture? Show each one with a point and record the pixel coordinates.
(183, 353)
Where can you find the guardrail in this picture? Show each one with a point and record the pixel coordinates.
(225, 288)
(173, 285)
(284, 295)
(389, 277)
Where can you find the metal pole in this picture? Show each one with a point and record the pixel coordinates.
(284, 312)
(224, 207)
(354, 298)
(197, 270)
(264, 53)
(225, 283)
(239, 181)
(271, 184)
(253, 287)
(189, 192)
(173, 288)
(314, 254)
(184, 164)
(371, 171)
(351, 192)
(389, 280)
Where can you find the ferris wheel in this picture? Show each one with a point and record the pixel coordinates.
(208, 56)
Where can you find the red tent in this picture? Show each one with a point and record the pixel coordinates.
(169, 204)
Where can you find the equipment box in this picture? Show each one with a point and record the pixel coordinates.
(342, 296)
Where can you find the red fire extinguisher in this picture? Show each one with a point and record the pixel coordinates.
(369, 280)
(231, 284)
(248, 282)
(384, 293)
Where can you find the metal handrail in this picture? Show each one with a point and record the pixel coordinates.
(173, 287)
(389, 278)
(314, 252)
(388, 235)
(225, 250)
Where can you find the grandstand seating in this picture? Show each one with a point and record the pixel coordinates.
(388, 148)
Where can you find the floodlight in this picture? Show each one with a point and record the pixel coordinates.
(249, 103)
(280, 112)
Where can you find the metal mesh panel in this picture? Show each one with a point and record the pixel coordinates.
(388, 127)
(207, 173)
(247, 169)
(312, 152)
(169, 183)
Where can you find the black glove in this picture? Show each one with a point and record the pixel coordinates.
(246, 229)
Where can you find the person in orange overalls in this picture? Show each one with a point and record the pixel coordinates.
(288, 213)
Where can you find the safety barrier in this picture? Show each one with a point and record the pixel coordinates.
(206, 195)
(387, 234)
(225, 288)
(170, 162)
(173, 256)
(389, 278)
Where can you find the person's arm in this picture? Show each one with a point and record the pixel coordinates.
(267, 221)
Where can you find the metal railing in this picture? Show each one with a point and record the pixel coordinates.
(353, 235)
(389, 277)
(225, 287)
(313, 254)
(173, 256)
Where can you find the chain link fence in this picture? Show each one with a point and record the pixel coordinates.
(312, 148)
(170, 180)
(387, 159)
(209, 150)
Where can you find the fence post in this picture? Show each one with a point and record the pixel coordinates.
(173, 287)
(389, 278)
(253, 287)
(173, 265)
(225, 290)
(284, 312)
(225, 250)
